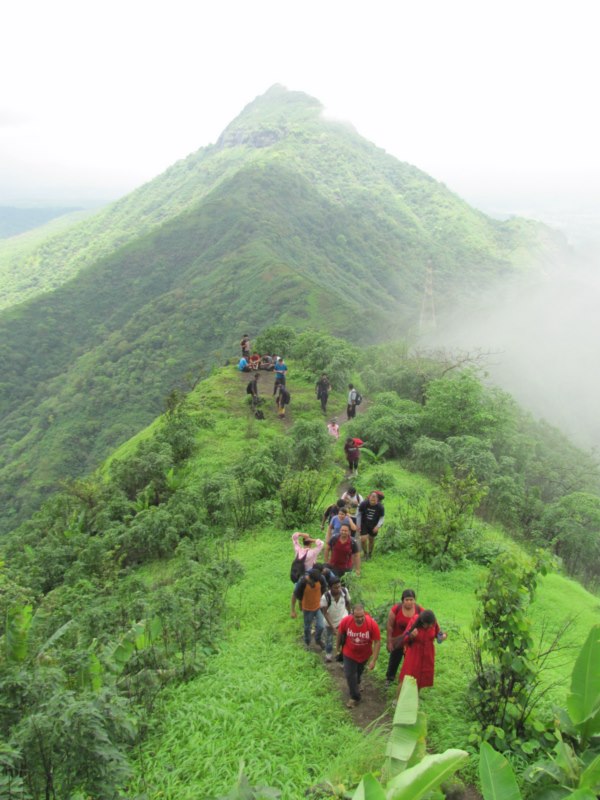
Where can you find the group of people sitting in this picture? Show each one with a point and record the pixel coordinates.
(346, 629)
(280, 391)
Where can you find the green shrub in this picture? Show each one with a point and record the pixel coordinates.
(311, 444)
(431, 456)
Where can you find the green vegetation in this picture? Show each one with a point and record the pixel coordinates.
(159, 612)
(288, 218)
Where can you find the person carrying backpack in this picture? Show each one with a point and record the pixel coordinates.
(335, 605)
(309, 590)
(252, 389)
(306, 553)
(342, 553)
(354, 399)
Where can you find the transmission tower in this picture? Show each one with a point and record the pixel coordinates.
(427, 319)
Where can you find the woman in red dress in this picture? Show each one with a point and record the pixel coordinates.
(419, 652)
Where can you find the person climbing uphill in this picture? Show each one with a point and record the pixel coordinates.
(419, 650)
(361, 644)
(398, 620)
(369, 519)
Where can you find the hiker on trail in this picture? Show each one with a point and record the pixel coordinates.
(245, 345)
(331, 511)
(282, 399)
(307, 551)
(352, 451)
(369, 519)
(398, 620)
(280, 370)
(252, 389)
(308, 592)
(333, 429)
(361, 640)
(352, 499)
(342, 553)
(323, 387)
(336, 522)
(352, 398)
(335, 605)
(327, 573)
(419, 650)
(243, 365)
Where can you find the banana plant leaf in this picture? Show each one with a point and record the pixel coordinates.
(498, 780)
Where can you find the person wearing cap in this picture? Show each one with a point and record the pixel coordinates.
(369, 519)
(361, 643)
(398, 619)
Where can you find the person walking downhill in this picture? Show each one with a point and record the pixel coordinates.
(335, 605)
(398, 620)
(361, 643)
(309, 590)
(323, 387)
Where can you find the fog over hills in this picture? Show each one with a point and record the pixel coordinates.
(288, 218)
(544, 345)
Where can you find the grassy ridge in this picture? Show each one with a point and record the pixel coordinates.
(268, 702)
(263, 700)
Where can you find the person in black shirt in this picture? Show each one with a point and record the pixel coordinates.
(369, 520)
(323, 387)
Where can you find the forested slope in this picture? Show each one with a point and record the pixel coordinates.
(288, 217)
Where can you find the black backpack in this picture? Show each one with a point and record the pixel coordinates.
(297, 570)
(249, 389)
(358, 400)
(345, 595)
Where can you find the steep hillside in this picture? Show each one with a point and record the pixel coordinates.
(160, 650)
(287, 218)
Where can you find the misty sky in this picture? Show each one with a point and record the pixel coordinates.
(496, 99)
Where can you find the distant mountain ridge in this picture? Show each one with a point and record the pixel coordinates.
(287, 218)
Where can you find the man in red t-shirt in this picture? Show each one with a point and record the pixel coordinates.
(361, 642)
